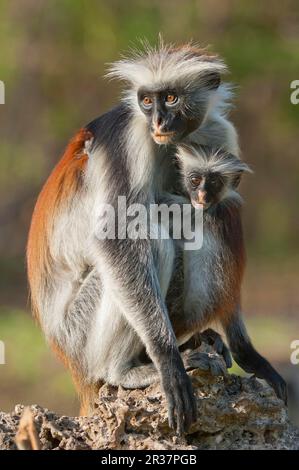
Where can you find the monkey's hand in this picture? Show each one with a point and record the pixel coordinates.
(179, 394)
(205, 361)
(215, 340)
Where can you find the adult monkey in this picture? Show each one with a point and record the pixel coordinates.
(99, 302)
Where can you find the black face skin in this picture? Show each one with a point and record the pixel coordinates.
(205, 188)
(164, 112)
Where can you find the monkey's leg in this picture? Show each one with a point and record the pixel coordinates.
(248, 358)
(69, 339)
(138, 376)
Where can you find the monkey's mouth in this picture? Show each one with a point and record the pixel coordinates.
(200, 205)
(164, 138)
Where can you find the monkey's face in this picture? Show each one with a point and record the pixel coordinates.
(205, 188)
(165, 111)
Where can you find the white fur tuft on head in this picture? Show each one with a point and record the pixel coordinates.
(202, 158)
(164, 64)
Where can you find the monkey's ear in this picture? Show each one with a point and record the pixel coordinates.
(236, 180)
(212, 80)
(235, 164)
(243, 168)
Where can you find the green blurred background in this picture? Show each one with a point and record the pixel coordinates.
(52, 61)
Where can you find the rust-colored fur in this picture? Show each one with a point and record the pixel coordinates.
(57, 191)
(230, 227)
(87, 392)
(60, 187)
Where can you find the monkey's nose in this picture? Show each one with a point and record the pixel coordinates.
(201, 197)
(159, 121)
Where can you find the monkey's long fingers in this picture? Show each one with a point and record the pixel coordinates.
(180, 418)
(227, 357)
(186, 408)
(175, 412)
(182, 410)
(192, 360)
(215, 340)
(197, 360)
(223, 351)
(205, 361)
(217, 367)
(190, 412)
(179, 394)
(171, 420)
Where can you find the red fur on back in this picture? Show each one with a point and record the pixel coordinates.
(61, 185)
(232, 234)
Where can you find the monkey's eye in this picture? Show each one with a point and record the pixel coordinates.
(195, 180)
(216, 182)
(147, 101)
(171, 99)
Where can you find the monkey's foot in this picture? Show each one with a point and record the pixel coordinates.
(215, 340)
(205, 361)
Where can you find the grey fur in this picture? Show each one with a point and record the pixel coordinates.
(105, 323)
(205, 292)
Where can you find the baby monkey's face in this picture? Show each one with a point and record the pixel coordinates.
(205, 188)
(208, 176)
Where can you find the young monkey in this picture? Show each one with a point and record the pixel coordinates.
(210, 180)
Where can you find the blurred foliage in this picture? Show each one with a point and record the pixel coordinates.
(52, 59)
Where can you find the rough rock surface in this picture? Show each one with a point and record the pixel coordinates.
(233, 413)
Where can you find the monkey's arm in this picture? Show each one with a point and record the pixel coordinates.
(77, 318)
(169, 198)
(132, 279)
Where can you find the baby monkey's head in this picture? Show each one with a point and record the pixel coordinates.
(209, 176)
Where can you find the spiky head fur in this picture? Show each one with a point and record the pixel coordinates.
(204, 160)
(187, 67)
